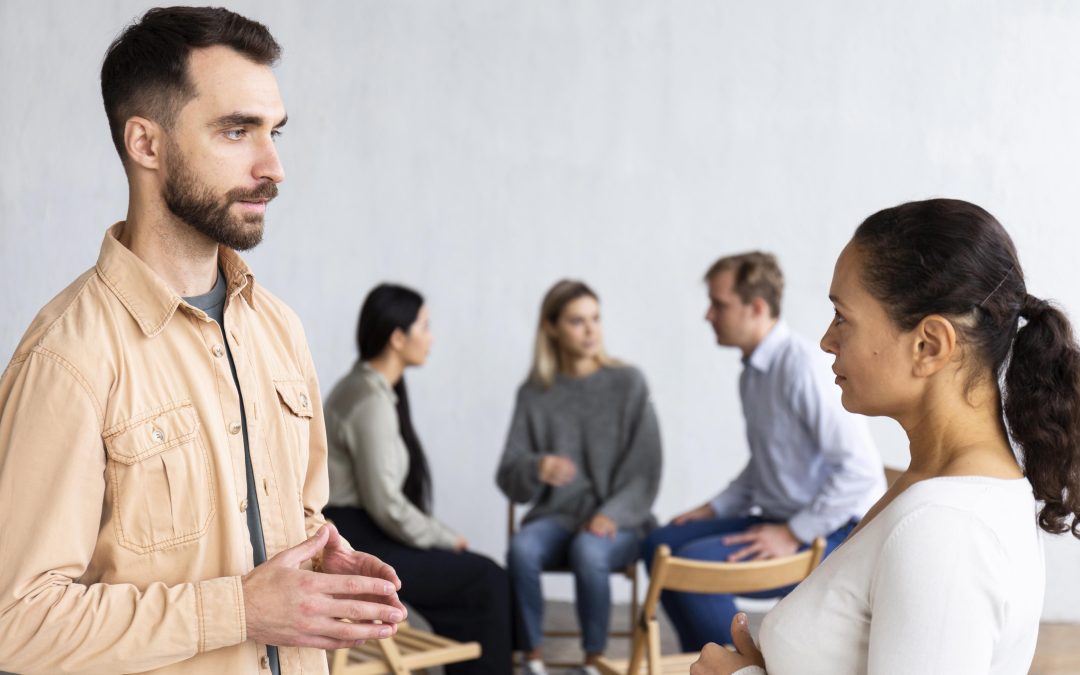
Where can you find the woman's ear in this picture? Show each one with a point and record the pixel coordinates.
(934, 346)
(550, 330)
(397, 340)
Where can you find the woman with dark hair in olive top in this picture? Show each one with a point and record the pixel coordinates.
(380, 488)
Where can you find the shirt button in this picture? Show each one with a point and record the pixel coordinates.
(157, 435)
(303, 400)
(219, 351)
(264, 663)
(243, 505)
(234, 428)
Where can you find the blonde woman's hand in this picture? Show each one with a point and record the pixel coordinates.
(556, 471)
(717, 660)
(461, 544)
(602, 526)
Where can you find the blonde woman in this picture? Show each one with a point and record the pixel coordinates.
(584, 449)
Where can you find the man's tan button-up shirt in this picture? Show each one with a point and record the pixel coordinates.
(122, 478)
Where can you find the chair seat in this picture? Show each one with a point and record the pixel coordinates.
(419, 649)
(672, 663)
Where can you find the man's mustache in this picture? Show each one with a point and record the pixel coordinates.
(265, 191)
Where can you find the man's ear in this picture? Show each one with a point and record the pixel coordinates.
(760, 307)
(143, 140)
(934, 346)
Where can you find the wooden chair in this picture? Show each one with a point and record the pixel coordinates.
(410, 649)
(694, 576)
(630, 572)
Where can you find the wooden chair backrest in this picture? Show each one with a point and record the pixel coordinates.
(695, 576)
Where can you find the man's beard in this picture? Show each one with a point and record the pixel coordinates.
(198, 206)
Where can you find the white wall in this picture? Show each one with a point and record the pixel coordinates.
(478, 150)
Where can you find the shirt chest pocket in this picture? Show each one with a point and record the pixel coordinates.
(159, 479)
(296, 413)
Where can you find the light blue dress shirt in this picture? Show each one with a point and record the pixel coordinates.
(812, 463)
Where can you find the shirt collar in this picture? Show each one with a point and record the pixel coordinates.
(375, 376)
(762, 356)
(145, 295)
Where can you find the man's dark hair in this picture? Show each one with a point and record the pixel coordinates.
(145, 72)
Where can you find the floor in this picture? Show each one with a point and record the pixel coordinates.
(1057, 653)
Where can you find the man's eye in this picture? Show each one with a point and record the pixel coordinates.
(275, 134)
(234, 134)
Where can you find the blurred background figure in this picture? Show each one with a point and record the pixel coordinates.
(380, 486)
(584, 449)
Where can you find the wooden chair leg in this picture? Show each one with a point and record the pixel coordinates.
(340, 661)
(654, 648)
(637, 648)
(392, 655)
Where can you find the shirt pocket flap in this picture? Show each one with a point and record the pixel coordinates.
(294, 395)
(151, 433)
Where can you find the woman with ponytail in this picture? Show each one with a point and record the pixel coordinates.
(935, 328)
(380, 488)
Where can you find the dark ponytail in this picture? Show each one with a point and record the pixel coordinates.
(950, 257)
(388, 308)
(1041, 393)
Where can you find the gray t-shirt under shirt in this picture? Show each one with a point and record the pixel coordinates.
(213, 303)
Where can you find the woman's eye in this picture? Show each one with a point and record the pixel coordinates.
(837, 317)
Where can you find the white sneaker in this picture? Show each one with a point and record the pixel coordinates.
(535, 667)
(587, 670)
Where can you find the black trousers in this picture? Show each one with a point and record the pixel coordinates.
(465, 596)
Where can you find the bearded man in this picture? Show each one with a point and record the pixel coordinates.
(162, 450)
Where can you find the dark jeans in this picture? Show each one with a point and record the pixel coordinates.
(464, 596)
(700, 618)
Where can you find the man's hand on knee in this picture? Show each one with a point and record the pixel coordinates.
(763, 542)
(288, 606)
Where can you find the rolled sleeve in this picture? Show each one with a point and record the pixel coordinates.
(737, 497)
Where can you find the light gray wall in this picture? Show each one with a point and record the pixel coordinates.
(478, 150)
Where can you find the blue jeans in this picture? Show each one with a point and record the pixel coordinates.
(543, 544)
(700, 618)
